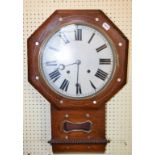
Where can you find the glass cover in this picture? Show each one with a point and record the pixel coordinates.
(77, 61)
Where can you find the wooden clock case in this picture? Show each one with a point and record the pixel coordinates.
(78, 115)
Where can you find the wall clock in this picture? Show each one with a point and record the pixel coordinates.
(77, 59)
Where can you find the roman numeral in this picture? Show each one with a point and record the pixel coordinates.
(53, 48)
(101, 74)
(78, 34)
(105, 61)
(101, 48)
(78, 89)
(64, 38)
(92, 85)
(64, 85)
(55, 75)
(91, 38)
(51, 63)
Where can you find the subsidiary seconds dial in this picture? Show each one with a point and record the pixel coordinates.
(77, 61)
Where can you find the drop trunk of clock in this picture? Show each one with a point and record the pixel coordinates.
(77, 59)
(78, 130)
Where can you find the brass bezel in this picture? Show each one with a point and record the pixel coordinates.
(115, 56)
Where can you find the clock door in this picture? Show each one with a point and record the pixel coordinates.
(77, 61)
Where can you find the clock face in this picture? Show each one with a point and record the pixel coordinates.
(77, 61)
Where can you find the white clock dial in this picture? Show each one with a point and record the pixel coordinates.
(77, 61)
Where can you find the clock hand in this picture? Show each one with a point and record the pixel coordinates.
(78, 62)
(77, 73)
(71, 64)
(62, 66)
(78, 87)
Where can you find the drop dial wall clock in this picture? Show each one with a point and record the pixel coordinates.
(77, 59)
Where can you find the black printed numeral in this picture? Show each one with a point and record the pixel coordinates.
(92, 36)
(64, 85)
(64, 38)
(78, 89)
(101, 48)
(53, 48)
(55, 75)
(78, 34)
(51, 63)
(92, 85)
(101, 74)
(105, 61)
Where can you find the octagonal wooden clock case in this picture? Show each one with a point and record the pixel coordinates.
(77, 59)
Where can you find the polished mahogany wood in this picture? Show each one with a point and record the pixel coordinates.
(83, 17)
(97, 133)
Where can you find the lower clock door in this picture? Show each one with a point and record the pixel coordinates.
(78, 130)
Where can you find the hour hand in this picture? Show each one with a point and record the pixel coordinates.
(62, 66)
(78, 89)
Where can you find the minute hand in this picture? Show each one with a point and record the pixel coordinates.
(78, 86)
(77, 81)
